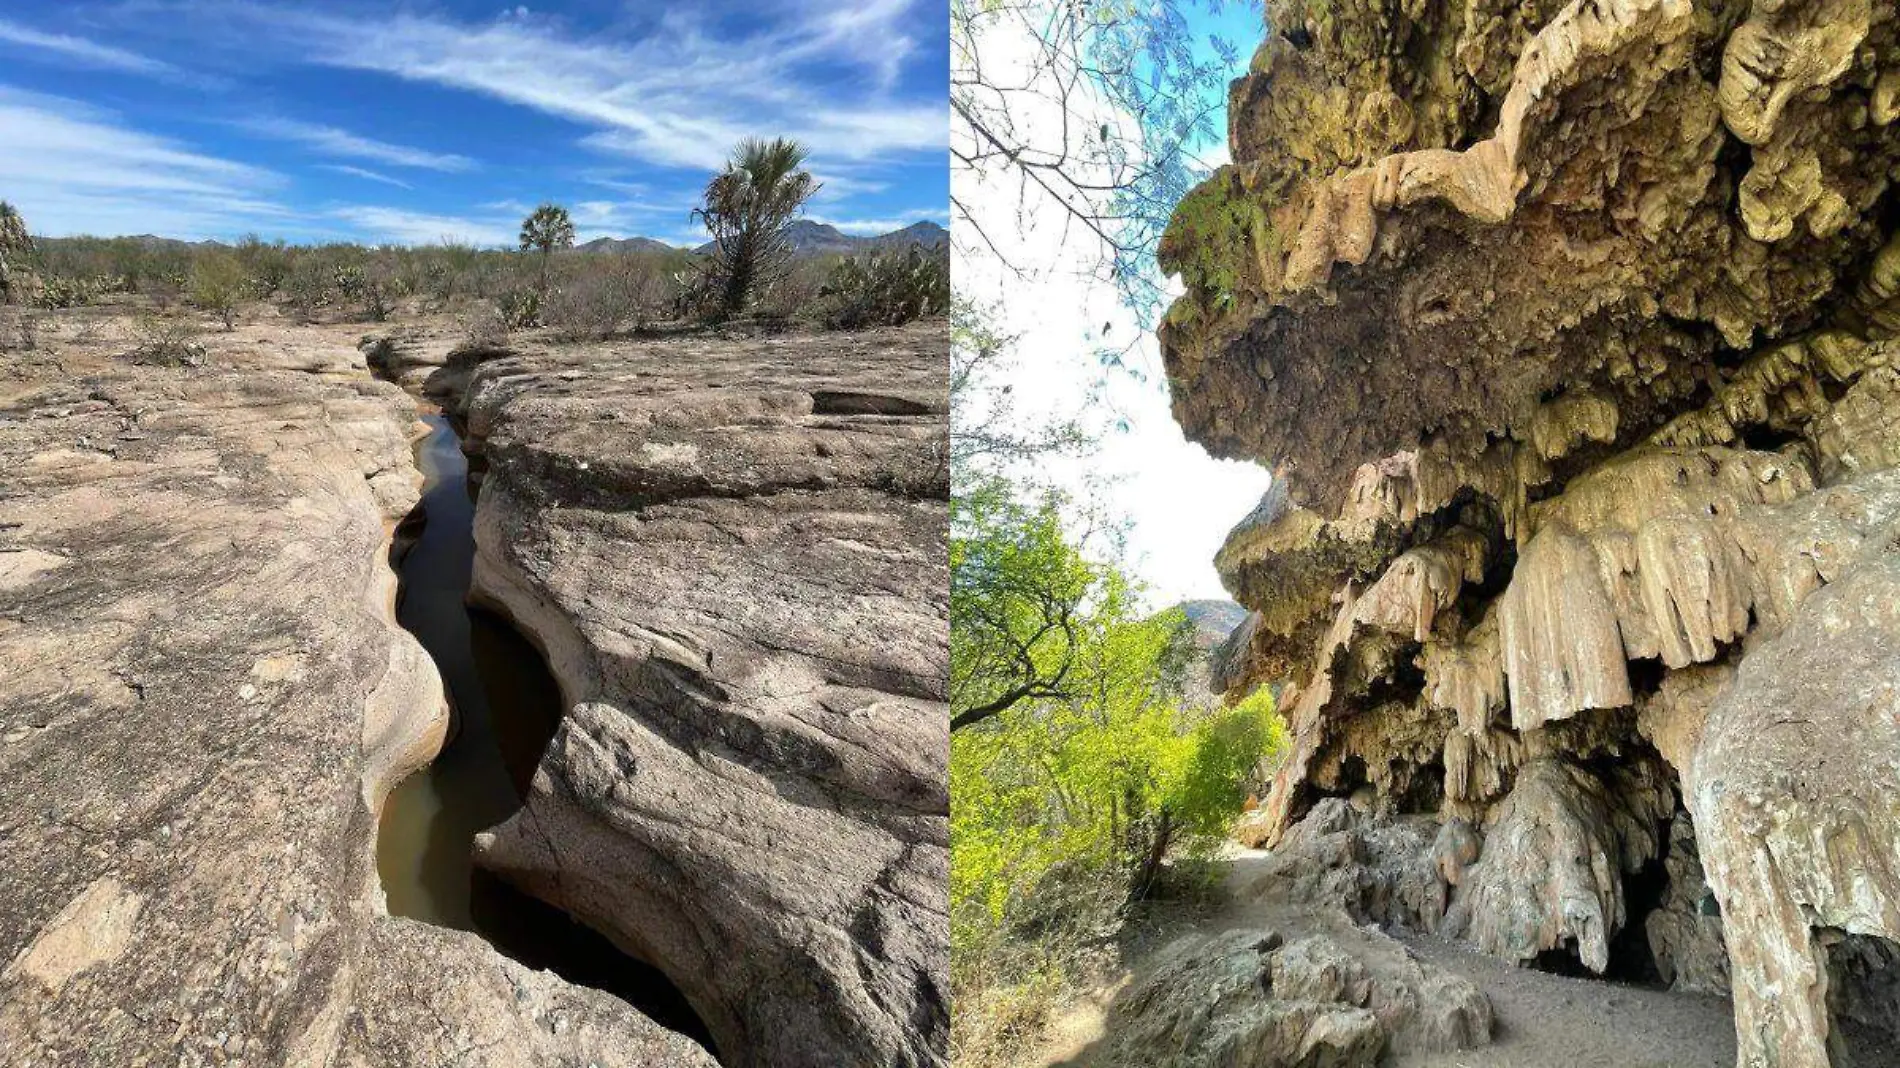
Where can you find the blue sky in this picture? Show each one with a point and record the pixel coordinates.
(412, 122)
(1177, 502)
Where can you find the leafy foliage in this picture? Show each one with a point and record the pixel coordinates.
(1087, 769)
(1079, 764)
(749, 208)
(1020, 602)
(218, 285)
(1095, 111)
(547, 228)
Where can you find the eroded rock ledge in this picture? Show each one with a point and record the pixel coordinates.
(203, 698)
(1570, 329)
(733, 554)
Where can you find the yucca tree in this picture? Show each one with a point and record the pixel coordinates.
(547, 229)
(749, 208)
(15, 245)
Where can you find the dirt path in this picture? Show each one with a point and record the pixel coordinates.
(1542, 1020)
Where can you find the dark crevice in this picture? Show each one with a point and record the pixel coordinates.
(1632, 961)
(505, 708)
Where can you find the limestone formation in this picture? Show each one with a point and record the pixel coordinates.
(1573, 334)
(204, 697)
(1324, 996)
(733, 555)
(1378, 871)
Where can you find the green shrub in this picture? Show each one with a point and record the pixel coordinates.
(886, 289)
(266, 266)
(218, 285)
(520, 308)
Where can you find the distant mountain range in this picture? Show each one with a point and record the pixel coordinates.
(816, 239)
(808, 238)
(626, 245)
(1213, 621)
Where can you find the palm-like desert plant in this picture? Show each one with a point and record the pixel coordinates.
(15, 245)
(547, 229)
(749, 207)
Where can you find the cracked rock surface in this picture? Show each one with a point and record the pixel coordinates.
(1570, 330)
(733, 554)
(204, 697)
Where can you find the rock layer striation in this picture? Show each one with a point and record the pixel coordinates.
(204, 697)
(733, 555)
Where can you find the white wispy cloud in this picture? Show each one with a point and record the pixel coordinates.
(680, 95)
(81, 52)
(366, 174)
(835, 187)
(333, 141)
(74, 169)
(404, 227)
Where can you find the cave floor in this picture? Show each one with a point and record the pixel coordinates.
(1542, 1020)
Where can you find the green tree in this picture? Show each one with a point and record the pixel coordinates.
(547, 228)
(266, 264)
(217, 286)
(749, 208)
(1020, 603)
(1087, 769)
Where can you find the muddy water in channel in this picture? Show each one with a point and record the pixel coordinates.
(505, 709)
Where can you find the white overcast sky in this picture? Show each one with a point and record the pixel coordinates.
(1179, 502)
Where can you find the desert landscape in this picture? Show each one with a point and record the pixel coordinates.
(383, 627)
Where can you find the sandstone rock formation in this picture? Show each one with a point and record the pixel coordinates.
(203, 699)
(1571, 329)
(733, 554)
(1327, 995)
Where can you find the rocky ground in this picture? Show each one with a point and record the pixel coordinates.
(733, 554)
(1157, 1007)
(1572, 336)
(204, 698)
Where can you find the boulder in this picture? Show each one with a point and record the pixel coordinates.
(1319, 994)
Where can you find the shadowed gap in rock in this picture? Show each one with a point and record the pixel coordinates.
(506, 707)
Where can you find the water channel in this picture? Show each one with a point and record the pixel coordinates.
(505, 708)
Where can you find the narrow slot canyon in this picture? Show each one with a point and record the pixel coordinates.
(505, 707)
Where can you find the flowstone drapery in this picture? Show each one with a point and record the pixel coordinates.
(1572, 330)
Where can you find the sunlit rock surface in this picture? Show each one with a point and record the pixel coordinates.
(1319, 993)
(204, 697)
(733, 553)
(1571, 331)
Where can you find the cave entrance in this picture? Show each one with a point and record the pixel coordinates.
(505, 707)
(1631, 961)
